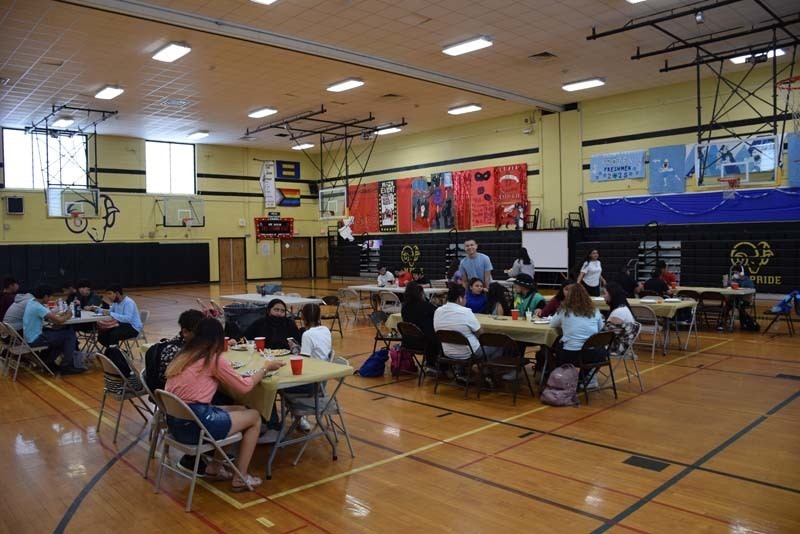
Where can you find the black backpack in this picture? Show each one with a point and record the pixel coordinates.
(152, 365)
(747, 321)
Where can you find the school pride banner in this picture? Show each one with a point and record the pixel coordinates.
(617, 166)
(511, 195)
(482, 203)
(387, 206)
(363, 198)
(667, 169)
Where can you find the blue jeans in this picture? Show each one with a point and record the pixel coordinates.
(61, 341)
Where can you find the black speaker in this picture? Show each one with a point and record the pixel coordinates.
(15, 206)
(313, 189)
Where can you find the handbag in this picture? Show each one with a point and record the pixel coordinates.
(107, 324)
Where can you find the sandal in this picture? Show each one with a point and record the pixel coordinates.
(221, 472)
(249, 480)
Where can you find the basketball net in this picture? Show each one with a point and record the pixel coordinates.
(790, 88)
(729, 193)
(187, 222)
(76, 216)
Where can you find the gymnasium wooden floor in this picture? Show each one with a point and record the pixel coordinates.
(710, 446)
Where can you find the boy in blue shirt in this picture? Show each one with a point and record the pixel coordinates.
(62, 341)
(125, 311)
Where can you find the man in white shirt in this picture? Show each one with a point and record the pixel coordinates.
(385, 277)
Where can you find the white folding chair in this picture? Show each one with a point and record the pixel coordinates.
(349, 300)
(651, 325)
(175, 407)
(389, 302)
(622, 351)
(121, 388)
(16, 347)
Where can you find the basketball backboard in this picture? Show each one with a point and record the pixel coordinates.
(333, 203)
(751, 159)
(69, 201)
(181, 212)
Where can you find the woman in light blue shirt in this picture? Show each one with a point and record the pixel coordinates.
(579, 320)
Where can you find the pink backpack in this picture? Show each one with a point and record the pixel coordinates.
(561, 387)
(402, 361)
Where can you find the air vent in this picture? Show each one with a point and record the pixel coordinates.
(247, 138)
(414, 19)
(543, 56)
(175, 102)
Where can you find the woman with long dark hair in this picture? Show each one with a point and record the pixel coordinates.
(497, 300)
(522, 264)
(275, 326)
(618, 304)
(316, 341)
(476, 298)
(579, 320)
(591, 275)
(554, 303)
(194, 376)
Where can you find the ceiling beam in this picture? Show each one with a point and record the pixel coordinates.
(149, 12)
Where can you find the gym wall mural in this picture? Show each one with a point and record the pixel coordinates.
(95, 229)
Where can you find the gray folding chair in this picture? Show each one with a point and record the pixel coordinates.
(330, 311)
(621, 349)
(158, 423)
(121, 388)
(16, 348)
(389, 302)
(175, 407)
(650, 324)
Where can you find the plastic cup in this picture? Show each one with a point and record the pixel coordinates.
(734, 285)
(515, 314)
(674, 285)
(529, 315)
(261, 342)
(51, 304)
(297, 365)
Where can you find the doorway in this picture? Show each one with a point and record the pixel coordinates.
(296, 257)
(321, 257)
(232, 259)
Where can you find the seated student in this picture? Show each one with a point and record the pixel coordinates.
(617, 304)
(526, 297)
(276, 326)
(403, 277)
(62, 341)
(579, 320)
(497, 300)
(70, 292)
(552, 306)
(385, 278)
(86, 296)
(161, 354)
(194, 376)
(15, 312)
(10, 288)
(656, 284)
(418, 310)
(739, 276)
(667, 276)
(629, 284)
(476, 298)
(420, 278)
(124, 310)
(316, 341)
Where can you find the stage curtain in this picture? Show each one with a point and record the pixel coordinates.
(461, 199)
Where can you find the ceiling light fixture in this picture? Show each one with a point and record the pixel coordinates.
(468, 46)
(460, 110)
(634, 1)
(748, 58)
(263, 112)
(198, 134)
(303, 146)
(108, 92)
(264, 2)
(699, 17)
(172, 52)
(389, 130)
(583, 84)
(65, 121)
(345, 85)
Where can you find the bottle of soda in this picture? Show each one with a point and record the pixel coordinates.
(77, 310)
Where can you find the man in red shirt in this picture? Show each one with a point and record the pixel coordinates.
(403, 277)
(666, 276)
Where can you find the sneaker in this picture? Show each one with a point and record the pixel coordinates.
(488, 383)
(593, 383)
(511, 375)
(186, 463)
(270, 436)
(303, 424)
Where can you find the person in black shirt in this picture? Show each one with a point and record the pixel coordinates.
(628, 283)
(656, 284)
(420, 278)
(276, 327)
(419, 311)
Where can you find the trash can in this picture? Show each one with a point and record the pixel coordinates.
(240, 315)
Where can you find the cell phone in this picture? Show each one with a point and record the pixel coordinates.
(291, 341)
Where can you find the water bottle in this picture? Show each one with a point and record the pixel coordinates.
(60, 306)
(77, 311)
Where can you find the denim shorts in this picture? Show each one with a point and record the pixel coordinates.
(216, 420)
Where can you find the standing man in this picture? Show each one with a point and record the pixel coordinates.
(124, 310)
(475, 265)
(10, 288)
(58, 341)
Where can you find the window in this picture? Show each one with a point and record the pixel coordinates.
(170, 168)
(26, 163)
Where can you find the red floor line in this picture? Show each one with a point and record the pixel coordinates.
(122, 459)
(294, 530)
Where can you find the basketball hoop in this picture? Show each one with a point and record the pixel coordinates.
(187, 222)
(791, 86)
(76, 215)
(733, 183)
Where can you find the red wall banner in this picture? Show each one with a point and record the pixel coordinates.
(404, 225)
(420, 205)
(511, 195)
(482, 202)
(461, 198)
(363, 198)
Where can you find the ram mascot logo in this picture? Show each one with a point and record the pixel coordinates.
(754, 257)
(409, 256)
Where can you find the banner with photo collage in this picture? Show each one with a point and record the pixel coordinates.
(442, 213)
(511, 195)
(667, 169)
(617, 166)
(387, 206)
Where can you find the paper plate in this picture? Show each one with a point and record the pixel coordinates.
(673, 300)
(239, 347)
(237, 364)
(275, 352)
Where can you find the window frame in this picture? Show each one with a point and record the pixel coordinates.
(194, 168)
(4, 185)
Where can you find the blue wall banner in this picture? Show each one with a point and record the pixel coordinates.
(617, 166)
(793, 157)
(749, 205)
(667, 171)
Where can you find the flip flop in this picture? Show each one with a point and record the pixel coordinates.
(249, 480)
(222, 474)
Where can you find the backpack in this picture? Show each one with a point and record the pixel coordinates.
(746, 321)
(561, 387)
(402, 361)
(114, 354)
(152, 364)
(785, 306)
(375, 365)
